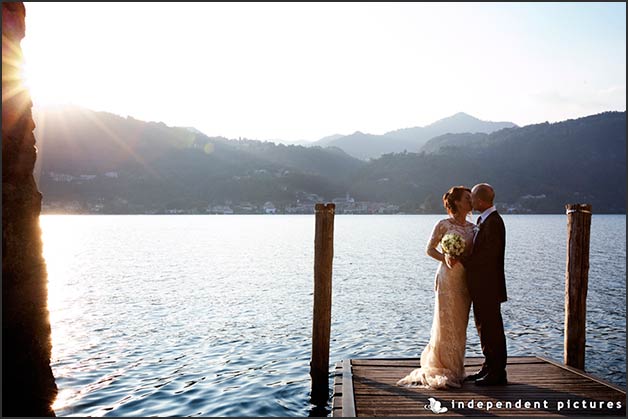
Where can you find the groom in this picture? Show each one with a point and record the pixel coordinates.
(487, 286)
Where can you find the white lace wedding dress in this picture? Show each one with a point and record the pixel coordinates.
(442, 360)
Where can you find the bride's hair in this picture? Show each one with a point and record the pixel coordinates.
(451, 196)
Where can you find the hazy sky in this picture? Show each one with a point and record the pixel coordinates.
(303, 71)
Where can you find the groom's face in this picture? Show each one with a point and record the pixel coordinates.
(476, 202)
(478, 195)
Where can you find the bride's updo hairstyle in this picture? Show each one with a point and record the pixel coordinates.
(453, 195)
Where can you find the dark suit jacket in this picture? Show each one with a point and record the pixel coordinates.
(485, 266)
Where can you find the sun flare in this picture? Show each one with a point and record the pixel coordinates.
(496, 61)
(45, 86)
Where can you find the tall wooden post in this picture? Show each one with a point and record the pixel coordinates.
(323, 256)
(576, 282)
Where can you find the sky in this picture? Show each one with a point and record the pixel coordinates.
(302, 71)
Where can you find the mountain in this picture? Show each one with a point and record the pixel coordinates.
(458, 123)
(193, 130)
(325, 141)
(538, 167)
(120, 164)
(455, 140)
(304, 143)
(367, 146)
(100, 162)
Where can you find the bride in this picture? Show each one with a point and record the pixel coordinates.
(442, 360)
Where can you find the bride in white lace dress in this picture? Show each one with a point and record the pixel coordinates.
(442, 360)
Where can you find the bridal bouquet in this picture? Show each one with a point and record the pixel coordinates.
(452, 244)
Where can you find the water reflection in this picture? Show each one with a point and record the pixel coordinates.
(215, 311)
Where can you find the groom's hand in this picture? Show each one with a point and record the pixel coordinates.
(450, 261)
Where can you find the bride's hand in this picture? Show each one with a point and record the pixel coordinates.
(450, 262)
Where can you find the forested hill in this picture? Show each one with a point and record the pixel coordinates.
(537, 167)
(99, 162)
(126, 165)
(368, 146)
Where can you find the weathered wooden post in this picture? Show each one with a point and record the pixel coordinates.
(576, 282)
(323, 256)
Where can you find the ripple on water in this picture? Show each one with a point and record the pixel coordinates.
(202, 316)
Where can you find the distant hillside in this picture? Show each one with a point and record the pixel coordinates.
(455, 140)
(193, 130)
(367, 146)
(325, 141)
(100, 162)
(458, 123)
(537, 167)
(132, 165)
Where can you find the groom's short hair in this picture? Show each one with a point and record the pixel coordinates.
(485, 192)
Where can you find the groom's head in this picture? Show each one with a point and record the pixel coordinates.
(482, 196)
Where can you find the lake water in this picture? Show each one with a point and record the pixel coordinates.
(211, 315)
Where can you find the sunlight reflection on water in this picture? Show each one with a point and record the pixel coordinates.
(211, 315)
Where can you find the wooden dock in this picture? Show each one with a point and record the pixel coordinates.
(366, 387)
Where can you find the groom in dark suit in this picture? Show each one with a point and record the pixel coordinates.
(487, 286)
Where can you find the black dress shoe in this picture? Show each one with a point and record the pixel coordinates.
(492, 379)
(477, 375)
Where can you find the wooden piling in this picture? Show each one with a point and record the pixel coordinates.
(576, 283)
(323, 256)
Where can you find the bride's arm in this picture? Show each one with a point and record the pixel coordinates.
(433, 252)
(432, 246)
(442, 258)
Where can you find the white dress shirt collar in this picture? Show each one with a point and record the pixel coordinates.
(486, 213)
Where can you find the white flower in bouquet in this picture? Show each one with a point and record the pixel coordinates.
(452, 244)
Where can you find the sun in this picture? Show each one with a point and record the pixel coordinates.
(64, 75)
(52, 75)
(43, 88)
(25, 75)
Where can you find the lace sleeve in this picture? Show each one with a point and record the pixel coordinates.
(437, 233)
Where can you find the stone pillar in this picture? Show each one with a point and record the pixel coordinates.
(28, 386)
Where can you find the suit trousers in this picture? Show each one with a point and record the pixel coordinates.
(490, 327)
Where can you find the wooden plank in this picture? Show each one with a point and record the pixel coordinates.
(584, 374)
(361, 382)
(525, 412)
(594, 396)
(336, 400)
(470, 361)
(348, 401)
(375, 412)
(541, 372)
(531, 379)
(337, 388)
(474, 391)
(549, 394)
(393, 377)
(504, 409)
(531, 369)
